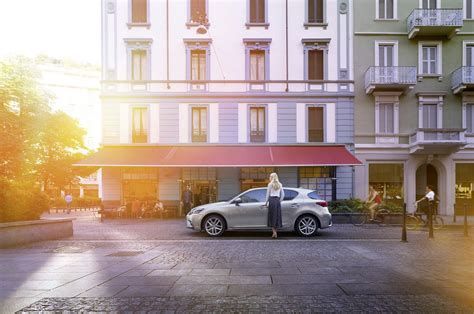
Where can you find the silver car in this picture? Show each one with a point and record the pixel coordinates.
(302, 211)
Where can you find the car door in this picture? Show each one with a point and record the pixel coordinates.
(251, 213)
(289, 206)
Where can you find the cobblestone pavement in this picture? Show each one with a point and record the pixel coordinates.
(161, 266)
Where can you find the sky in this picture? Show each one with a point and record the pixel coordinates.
(58, 28)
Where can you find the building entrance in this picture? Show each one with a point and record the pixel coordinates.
(426, 175)
(204, 192)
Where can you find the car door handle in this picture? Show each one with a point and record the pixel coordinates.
(263, 206)
(295, 205)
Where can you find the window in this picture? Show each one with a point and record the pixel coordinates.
(386, 55)
(139, 11)
(257, 65)
(386, 9)
(198, 12)
(386, 118)
(314, 196)
(290, 194)
(315, 65)
(139, 65)
(430, 59)
(139, 125)
(469, 9)
(257, 124)
(315, 11)
(387, 180)
(469, 55)
(315, 124)
(255, 196)
(430, 116)
(429, 4)
(198, 65)
(199, 124)
(318, 179)
(470, 118)
(257, 11)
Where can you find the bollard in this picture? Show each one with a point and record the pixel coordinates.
(466, 233)
(404, 226)
(430, 220)
(454, 215)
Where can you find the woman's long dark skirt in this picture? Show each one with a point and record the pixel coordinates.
(274, 212)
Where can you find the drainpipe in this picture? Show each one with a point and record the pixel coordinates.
(167, 46)
(286, 2)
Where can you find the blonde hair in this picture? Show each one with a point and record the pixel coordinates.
(274, 182)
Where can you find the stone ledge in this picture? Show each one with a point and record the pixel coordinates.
(24, 232)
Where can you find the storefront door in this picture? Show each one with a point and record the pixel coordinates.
(204, 192)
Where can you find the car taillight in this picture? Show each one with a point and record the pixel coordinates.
(322, 203)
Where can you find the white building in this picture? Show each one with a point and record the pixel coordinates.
(267, 88)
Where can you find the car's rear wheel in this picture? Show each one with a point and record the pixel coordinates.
(214, 225)
(306, 226)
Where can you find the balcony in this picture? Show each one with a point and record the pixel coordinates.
(437, 141)
(462, 79)
(389, 79)
(434, 22)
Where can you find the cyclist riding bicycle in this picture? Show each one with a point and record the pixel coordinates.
(430, 196)
(373, 201)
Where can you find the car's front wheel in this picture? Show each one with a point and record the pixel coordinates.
(306, 226)
(214, 225)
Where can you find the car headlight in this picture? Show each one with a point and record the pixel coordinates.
(197, 210)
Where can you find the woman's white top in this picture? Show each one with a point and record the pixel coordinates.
(271, 192)
(430, 196)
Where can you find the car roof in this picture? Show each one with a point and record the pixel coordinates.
(299, 190)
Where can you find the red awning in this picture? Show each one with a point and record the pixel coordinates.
(221, 156)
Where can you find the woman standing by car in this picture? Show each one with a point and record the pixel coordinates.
(275, 195)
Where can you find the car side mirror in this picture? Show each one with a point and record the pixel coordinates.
(237, 201)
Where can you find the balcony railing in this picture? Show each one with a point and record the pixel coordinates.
(435, 22)
(437, 140)
(390, 78)
(462, 78)
(225, 86)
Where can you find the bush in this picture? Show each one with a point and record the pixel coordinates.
(20, 202)
(347, 206)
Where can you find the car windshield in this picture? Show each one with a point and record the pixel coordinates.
(314, 196)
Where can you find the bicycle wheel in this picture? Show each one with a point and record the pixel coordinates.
(412, 222)
(438, 222)
(381, 217)
(358, 219)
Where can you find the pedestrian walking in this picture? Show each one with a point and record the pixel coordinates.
(187, 199)
(275, 195)
(68, 199)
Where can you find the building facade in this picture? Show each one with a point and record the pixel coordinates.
(413, 71)
(195, 96)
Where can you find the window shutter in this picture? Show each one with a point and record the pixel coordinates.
(315, 65)
(315, 124)
(198, 10)
(320, 11)
(261, 11)
(469, 118)
(469, 9)
(382, 9)
(139, 11)
(311, 11)
(389, 9)
(253, 11)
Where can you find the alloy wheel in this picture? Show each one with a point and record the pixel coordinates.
(307, 226)
(214, 226)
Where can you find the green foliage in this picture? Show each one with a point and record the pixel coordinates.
(85, 201)
(347, 206)
(36, 145)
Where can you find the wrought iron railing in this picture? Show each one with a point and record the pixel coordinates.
(463, 75)
(435, 17)
(390, 75)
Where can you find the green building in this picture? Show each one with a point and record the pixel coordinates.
(414, 100)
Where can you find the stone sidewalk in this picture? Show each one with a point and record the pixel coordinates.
(138, 266)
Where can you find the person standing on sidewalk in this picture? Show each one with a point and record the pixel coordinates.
(187, 199)
(275, 195)
(68, 199)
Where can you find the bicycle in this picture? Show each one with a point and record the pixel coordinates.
(418, 219)
(363, 217)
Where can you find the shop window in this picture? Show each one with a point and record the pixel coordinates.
(254, 177)
(464, 188)
(318, 179)
(139, 183)
(387, 180)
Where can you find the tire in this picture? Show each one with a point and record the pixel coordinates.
(381, 217)
(306, 226)
(411, 222)
(438, 222)
(214, 226)
(358, 219)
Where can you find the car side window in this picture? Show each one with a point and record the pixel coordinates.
(255, 196)
(314, 196)
(289, 194)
